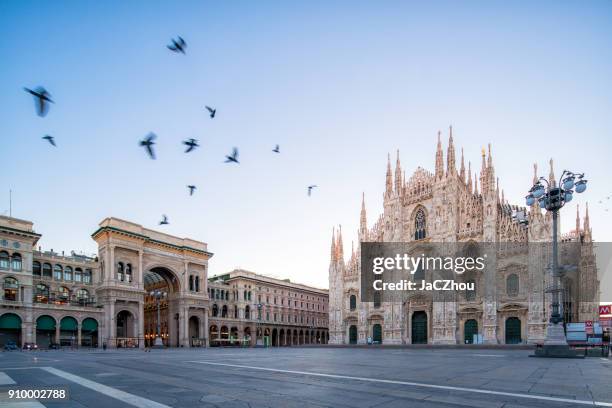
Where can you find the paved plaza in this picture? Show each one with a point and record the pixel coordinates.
(306, 377)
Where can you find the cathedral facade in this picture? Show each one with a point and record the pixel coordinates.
(456, 205)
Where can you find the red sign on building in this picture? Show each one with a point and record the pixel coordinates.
(605, 310)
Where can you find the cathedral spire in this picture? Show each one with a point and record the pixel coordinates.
(490, 158)
(450, 155)
(476, 184)
(551, 175)
(587, 224)
(339, 245)
(469, 180)
(439, 160)
(535, 173)
(462, 169)
(363, 223)
(398, 175)
(578, 219)
(389, 182)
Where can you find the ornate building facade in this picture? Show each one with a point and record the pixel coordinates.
(248, 309)
(451, 205)
(56, 300)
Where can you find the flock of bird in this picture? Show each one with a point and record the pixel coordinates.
(42, 99)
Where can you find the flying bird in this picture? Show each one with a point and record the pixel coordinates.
(276, 149)
(178, 45)
(50, 139)
(191, 189)
(164, 220)
(42, 99)
(232, 157)
(148, 143)
(211, 111)
(310, 188)
(191, 143)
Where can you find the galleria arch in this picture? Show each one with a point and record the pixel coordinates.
(140, 268)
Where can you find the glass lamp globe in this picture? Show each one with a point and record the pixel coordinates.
(538, 191)
(543, 203)
(581, 186)
(529, 200)
(568, 183)
(568, 196)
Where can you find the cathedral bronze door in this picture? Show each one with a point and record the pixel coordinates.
(513, 330)
(377, 334)
(353, 335)
(470, 328)
(419, 328)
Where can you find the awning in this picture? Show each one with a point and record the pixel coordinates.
(45, 323)
(68, 323)
(10, 321)
(89, 324)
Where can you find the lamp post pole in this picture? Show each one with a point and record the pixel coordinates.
(552, 197)
(158, 295)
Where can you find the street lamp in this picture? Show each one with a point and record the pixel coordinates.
(552, 197)
(158, 295)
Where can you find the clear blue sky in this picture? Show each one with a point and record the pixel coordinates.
(336, 84)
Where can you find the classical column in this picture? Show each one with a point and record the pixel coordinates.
(79, 327)
(141, 324)
(140, 273)
(57, 333)
(111, 265)
(112, 326)
(205, 332)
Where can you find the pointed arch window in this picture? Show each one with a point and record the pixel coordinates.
(512, 285)
(420, 225)
(353, 302)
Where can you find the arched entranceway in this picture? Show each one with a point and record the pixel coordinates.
(213, 332)
(89, 333)
(377, 334)
(513, 330)
(194, 331)
(234, 340)
(246, 338)
(419, 328)
(266, 337)
(126, 330)
(161, 286)
(68, 331)
(470, 328)
(353, 334)
(274, 338)
(295, 340)
(10, 329)
(45, 331)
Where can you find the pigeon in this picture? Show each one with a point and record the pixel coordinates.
(148, 143)
(191, 143)
(164, 220)
(178, 45)
(191, 189)
(276, 149)
(233, 157)
(50, 139)
(212, 111)
(42, 99)
(310, 189)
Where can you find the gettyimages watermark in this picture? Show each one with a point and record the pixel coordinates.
(475, 272)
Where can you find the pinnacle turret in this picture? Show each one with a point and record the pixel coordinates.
(450, 155)
(439, 160)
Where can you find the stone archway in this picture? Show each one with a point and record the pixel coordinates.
(162, 288)
(194, 329)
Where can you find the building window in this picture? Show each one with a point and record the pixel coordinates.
(16, 262)
(87, 276)
(68, 274)
(46, 270)
(11, 286)
(353, 302)
(63, 295)
(191, 283)
(512, 285)
(83, 294)
(376, 299)
(197, 283)
(120, 272)
(215, 310)
(247, 312)
(36, 268)
(128, 273)
(470, 295)
(78, 275)
(224, 311)
(42, 293)
(58, 272)
(420, 224)
(4, 260)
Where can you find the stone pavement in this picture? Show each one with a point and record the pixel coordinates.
(306, 377)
